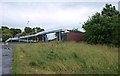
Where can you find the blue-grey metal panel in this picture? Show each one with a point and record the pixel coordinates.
(39, 33)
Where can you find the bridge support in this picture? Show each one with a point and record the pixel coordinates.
(44, 38)
(59, 36)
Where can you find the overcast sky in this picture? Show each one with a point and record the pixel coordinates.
(49, 15)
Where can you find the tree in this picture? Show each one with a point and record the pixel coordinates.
(21, 34)
(4, 27)
(12, 32)
(74, 30)
(15, 31)
(101, 27)
(28, 30)
(6, 33)
(37, 29)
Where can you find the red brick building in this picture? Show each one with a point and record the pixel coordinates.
(75, 36)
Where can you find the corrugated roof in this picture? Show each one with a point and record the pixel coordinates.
(39, 33)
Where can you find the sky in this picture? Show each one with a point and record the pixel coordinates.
(49, 15)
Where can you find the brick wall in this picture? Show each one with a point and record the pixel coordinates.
(75, 36)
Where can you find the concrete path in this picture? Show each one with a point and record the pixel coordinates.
(0, 59)
(7, 58)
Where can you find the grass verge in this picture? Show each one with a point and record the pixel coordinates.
(65, 58)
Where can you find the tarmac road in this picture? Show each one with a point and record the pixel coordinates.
(0, 59)
(7, 58)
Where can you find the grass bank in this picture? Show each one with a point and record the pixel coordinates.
(65, 57)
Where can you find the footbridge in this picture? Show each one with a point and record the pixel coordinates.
(40, 36)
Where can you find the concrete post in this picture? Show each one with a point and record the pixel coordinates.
(43, 38)
(19, 40)
(59, 36)
(46, 39)
(36, 38)
(11, 40)
(27, 40)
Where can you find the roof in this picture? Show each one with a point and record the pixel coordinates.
(39, 33)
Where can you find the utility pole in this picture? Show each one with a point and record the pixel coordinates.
(27, 26)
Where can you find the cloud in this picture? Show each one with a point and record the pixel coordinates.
(48, 15)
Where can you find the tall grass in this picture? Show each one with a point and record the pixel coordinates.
(65, 58)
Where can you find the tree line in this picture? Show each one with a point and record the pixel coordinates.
(103, 27)
(16, 32)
